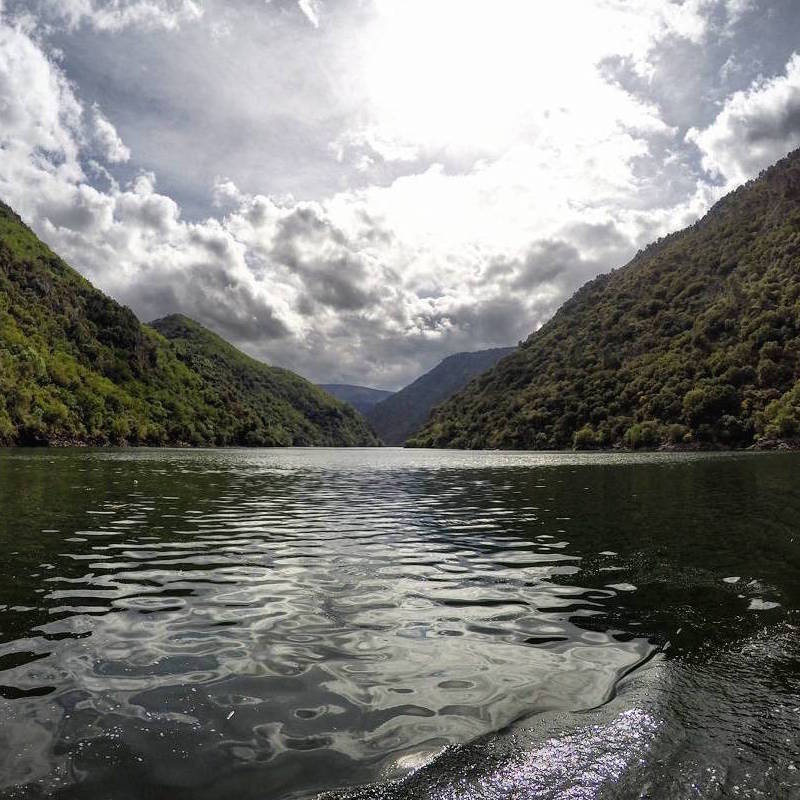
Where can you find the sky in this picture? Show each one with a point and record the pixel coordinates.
(355, 189)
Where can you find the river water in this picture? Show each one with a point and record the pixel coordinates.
(398, 624)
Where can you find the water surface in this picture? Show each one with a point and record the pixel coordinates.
(389, 623)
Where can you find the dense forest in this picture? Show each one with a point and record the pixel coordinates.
(268, 403)
(77, 367)
(695, 342)
(404, 413)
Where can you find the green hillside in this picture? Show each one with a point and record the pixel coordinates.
(402, 414)
(695, 342)
(267, 402)
(77, 367)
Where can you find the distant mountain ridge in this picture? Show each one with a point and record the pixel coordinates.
(362, 398)
(696, 342)
(405, 412)
(78, 368)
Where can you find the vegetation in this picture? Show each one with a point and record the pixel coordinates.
(404, 413)
(262, 403)
(696, 342)
(77, 367)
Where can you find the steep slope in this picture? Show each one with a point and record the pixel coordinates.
(77, 367)
(269, 403)
(695, 341)
(404, 413)
(362, 398)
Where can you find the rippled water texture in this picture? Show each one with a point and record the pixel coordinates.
(398, 624)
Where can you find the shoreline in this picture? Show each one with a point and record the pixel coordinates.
(766, 445)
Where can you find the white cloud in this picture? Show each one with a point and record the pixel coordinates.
(687, 19)
(737, 9)
(115, 15)
(755, 127)
(312, 10)
(107, 139)
(225, 193)
(41, 125)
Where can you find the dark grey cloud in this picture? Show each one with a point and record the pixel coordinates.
(330, 267)
(496, 321)
(209, 293)
(79, 214)
(306, 223)
(598, 236)
(399, 358)
(335, 290)
(546, 262)
(555, 267)
(779, 125)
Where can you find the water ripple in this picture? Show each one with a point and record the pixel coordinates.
(197, 618)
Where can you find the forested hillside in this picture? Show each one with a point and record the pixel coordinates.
(77, 367)
(696, 342)
(405, 412)
(268, 403)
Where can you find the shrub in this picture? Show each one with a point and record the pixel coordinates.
(707, 403)
(677, 433)
(643, 435)
(585, 438)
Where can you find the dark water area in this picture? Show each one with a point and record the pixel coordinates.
(398, 624)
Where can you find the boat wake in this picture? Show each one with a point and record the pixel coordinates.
(721, 725)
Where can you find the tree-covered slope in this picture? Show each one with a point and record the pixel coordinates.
(75, 366)
(362, 398)
(267, 402)
(695, 341)
(404, 413)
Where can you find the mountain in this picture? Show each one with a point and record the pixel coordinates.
(404, 413)
(362, 398)
(695, 342)
(77, 367)
(271, 402)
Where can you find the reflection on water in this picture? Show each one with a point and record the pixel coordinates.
(279, 623)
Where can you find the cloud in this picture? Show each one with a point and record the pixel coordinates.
(111, 15)
(430, 89)
(312, 10)
(688, 19)
(545, 263)
(107, 139)
(134, 243)
(331, 269)
(755, 127)
(737, 9)
(48, 117)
